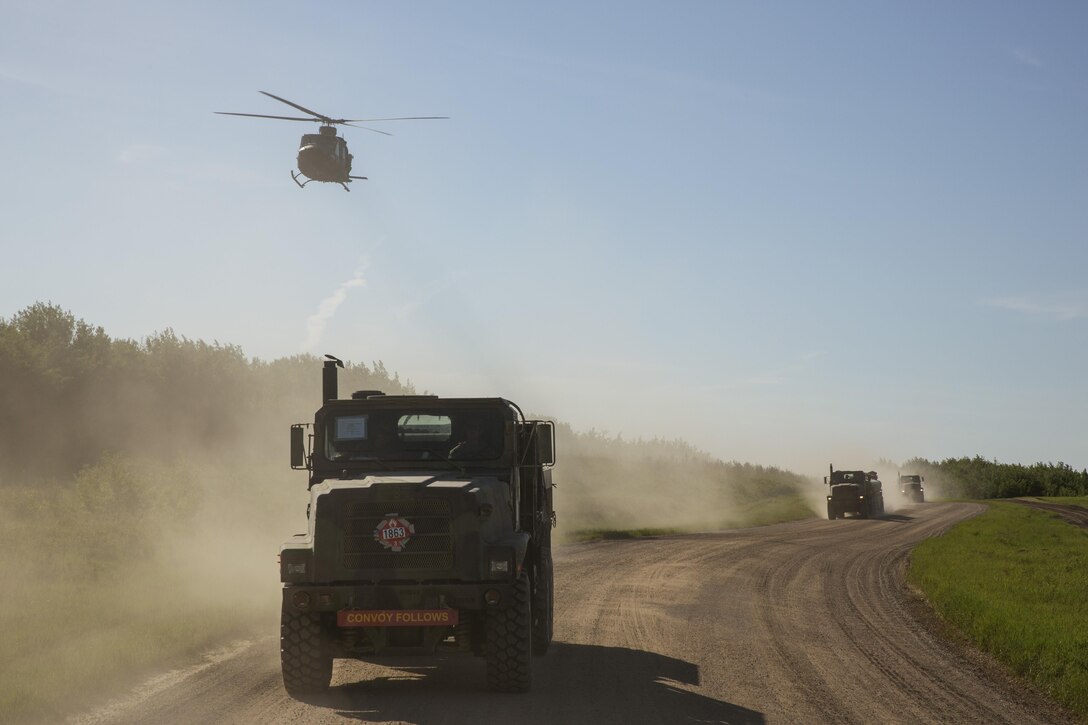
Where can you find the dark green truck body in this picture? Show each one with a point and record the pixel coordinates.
(859, 493)
(911, 488)
(429, 528)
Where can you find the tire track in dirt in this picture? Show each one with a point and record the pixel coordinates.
(1070, 513)
(802, 622)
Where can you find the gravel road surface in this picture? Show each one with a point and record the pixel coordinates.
(806, 622)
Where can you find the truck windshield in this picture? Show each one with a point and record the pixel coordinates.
(391, 435)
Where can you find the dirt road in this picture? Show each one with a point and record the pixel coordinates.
(803, 622)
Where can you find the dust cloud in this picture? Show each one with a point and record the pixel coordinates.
(815, 490)
(146, 492)
(889, 471)
(614, 484)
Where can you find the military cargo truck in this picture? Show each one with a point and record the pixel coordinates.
(429, 529)
(854, 492)
(910, 486)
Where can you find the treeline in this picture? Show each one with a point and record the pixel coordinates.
(979, 478)
(69, 392)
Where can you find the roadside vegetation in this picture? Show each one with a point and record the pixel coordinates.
(775, 508)
(978, 478)
(610, 487)
(1015, 581)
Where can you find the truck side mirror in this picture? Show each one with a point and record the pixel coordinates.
(545, 443)
(298, 446)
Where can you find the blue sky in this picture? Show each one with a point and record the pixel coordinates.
(787, 232)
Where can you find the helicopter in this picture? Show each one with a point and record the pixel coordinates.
(323, 156)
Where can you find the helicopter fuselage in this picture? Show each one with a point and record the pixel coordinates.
(324, 157)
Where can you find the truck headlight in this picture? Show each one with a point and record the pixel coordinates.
(500, 562)
(295, 565)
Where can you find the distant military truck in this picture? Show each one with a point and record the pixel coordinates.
(910, 486)
(854, 492)
(429, 530)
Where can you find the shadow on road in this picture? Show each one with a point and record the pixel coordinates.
(901, 518)
(572, 684)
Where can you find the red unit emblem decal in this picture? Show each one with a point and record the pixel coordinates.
(393, 532)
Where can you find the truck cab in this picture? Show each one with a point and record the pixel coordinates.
(429, 528)
(910, 487)
(859, 493)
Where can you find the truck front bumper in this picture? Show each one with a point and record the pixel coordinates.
(335, 597)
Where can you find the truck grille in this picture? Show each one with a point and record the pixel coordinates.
(431, 546)
(845, 491)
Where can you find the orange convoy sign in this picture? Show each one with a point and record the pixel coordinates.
(396, 618)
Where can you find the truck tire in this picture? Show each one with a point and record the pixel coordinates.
(542, 604)
(509, 647)
(830, 513)
(307, 668)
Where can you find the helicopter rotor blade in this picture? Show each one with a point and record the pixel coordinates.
(403, 118)
(345, 123)
(320, 116)
(262, 115)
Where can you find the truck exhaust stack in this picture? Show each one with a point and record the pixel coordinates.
(329, 390)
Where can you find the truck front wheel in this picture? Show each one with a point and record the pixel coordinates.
(509, 646)
(307, 668)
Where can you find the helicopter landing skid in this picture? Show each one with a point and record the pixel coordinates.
(294, 178)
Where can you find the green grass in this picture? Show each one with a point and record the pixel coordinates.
(774, 510)
(1015, 581)
(1081, 501)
